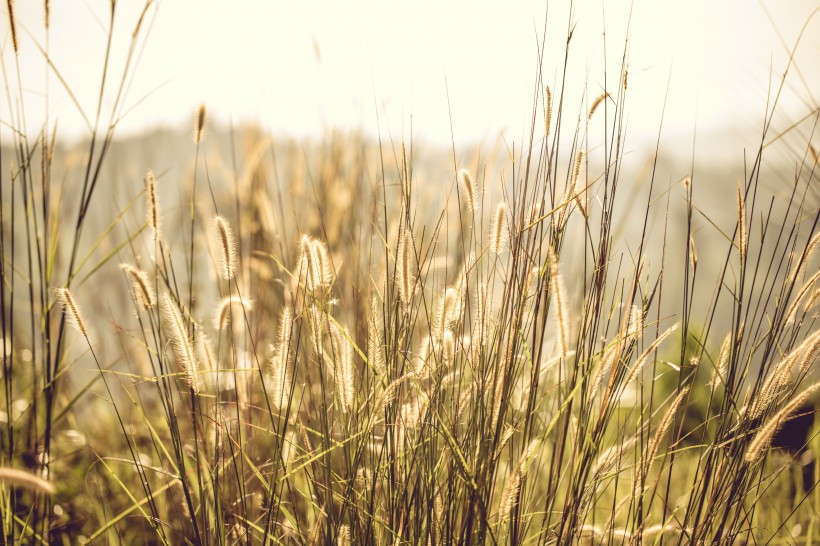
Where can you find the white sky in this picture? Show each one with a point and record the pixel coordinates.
(301, 67)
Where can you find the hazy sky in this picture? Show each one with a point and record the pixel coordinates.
(301, 67)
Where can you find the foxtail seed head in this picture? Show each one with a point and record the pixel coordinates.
(71, 310)
(597, 102)
(152, 210)
(140, 286)
(498, 230)
(227, 246)
(199, 129)
(20, 478)
(468, 185)
(181, 341)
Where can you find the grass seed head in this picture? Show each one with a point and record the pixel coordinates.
(152, 210)
(595, 104)
(12, 24)
(547, 111)
(497, 240)
(763, 439)
(742, 229)
(470, 193)
(227, 246)
(26, 480)
(181, 342)
(71, 310)
(140, 286)
(199, 128)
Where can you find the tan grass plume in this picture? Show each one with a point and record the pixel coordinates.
(375, 338)
(509, 496)
(547, 111)
(763, 439)
(742, 230)
(557, 293)
(655, 442)
(644, 357)
(806, 256)
(222, 316)
(26, 480)
(199, 129)
(152, 210)
(596, 103)
(720, 370)
(280, 363)
(227, 246)
(405, 268)
(181, 342)
(71, 310)
(140, 286)
(468, 185)
(343, 538)
(497, 236)
(343, 368)
(12, 25)
(791, 313)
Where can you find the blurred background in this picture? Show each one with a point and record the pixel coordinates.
(312, 101)
(460, 70)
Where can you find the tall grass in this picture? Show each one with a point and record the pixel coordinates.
(319, 359)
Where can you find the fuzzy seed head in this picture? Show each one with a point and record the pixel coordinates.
(742, 230)
(807, 255)
(561, 313)
(498, 230)
(224, 311)
(470, 193)
(547, 111)
(199, 128)
(227, 247)
(12, 25)
(181, 342)
(405, 270)
(693, 255)
(343, 368)
(343, 539)
(26, 480)
(71, 310)
(140, 286)
(375, 338)
(635, 328)
(720, 366)
(798, 299)
(152, 209)
(761, 442)
(597, 102)
(644, 357)
(281, 362)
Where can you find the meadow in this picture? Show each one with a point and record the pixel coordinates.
(237, 338)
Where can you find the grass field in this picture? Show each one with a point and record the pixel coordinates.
(364, 340)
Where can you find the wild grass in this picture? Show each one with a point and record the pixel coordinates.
(320, 359)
